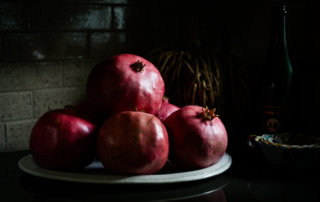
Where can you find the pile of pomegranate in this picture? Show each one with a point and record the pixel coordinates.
(128, 124)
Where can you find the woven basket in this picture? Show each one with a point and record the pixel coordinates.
(200, 78)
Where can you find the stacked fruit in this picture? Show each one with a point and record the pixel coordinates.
(133, 128)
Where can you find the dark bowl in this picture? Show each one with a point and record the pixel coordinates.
(293, 151)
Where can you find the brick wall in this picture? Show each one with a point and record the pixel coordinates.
(47, 49)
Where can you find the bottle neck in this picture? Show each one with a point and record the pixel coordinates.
(277, 74)
(279, 49)
(284, 36)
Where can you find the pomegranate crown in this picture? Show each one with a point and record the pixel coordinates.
(208, 114)
(137, 66)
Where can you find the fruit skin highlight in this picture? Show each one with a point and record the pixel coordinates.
(125, 82)
(133, 142)
(63, 139)
(197, 136)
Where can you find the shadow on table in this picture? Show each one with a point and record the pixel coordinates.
(53, 190)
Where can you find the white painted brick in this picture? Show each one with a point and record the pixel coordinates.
(13, 16)
(107, 44)
(71, 17)
(15, 106)
(75, 73)
(97, 1)
(44, 46)
(46, 100)
(119, 17)
(32, 75)
(2, 138)
(18, 134)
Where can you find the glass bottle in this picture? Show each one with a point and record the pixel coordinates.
(274, 106)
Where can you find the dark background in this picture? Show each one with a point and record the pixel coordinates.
(241, 30)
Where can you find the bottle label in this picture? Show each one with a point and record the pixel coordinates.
(273, 125)
(273, 119)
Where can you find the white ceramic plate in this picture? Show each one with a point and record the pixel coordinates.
(95, 173)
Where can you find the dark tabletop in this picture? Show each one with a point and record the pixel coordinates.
(248, 179)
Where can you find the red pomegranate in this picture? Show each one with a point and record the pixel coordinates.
(125, 82)
(63, 139)
(166, 109)
(198, 138)
(132, 142)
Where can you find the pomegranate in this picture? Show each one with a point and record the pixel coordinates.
(125, 82)
(133, 142)
(198, 138)
(166, 109)
(63, 139)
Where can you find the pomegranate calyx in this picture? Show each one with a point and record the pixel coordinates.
(137, 66)
(165, 99)
(208, 114)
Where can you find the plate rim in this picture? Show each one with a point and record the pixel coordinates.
(27, 165)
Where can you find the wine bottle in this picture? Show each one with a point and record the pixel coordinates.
(274, 105)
